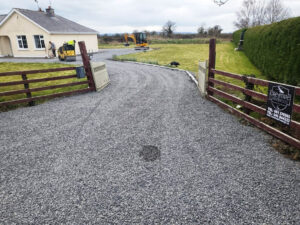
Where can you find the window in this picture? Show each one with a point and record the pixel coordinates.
(39, 41)
(22, 41)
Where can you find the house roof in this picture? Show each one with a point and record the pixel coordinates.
(2, 17)
(53, 25)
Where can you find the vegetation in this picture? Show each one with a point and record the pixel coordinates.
(110, 45)
(159, 40)
(275, 49)
(188, 55)
(169, 28)
(180, 41)
(211, 31)
(7, 67)
(201, 37)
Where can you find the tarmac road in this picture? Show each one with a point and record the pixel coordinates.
(146, 150)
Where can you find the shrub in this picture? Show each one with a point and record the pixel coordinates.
(275, 50)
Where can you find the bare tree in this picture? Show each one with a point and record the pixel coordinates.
(275, 11)
(169, 28)
(251, 14)
(259, 12)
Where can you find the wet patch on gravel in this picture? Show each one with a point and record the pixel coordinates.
(149, 153)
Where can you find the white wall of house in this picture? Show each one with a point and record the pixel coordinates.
(5, 46)
(90, 40)
(18, 25)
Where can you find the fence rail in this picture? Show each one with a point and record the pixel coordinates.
(247, 103)
(28, 91)
(36, 71)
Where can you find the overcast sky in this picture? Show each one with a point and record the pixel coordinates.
(119, 16)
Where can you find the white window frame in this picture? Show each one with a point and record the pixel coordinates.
(19, 38)
(41, 37)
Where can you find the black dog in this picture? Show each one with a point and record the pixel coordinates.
(174, 63)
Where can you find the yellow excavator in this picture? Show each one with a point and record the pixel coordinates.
(67, 52)
(140, 40)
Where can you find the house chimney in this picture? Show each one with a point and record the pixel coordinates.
(50, 11)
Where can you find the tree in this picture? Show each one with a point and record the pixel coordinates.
(275, 12)
(259, 12)
(202, 31)
(214, 31)
(169, 28)
(153, 33)
(251, 14)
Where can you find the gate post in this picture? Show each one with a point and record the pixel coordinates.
(87, 65)
(212, 62)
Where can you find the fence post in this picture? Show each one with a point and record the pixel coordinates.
(26, 86)
(87, 65)
(212, 62)
(248, 86)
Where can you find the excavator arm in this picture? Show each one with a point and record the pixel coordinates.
(128, 37)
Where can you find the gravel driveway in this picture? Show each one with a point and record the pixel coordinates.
(146, 150)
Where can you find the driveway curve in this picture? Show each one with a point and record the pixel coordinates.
(146, 150)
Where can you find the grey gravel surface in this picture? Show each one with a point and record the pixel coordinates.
(146, 150)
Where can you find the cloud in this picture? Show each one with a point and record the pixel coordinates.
(127, 15)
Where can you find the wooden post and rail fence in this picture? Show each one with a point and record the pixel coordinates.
(28, 91)
(216, 90)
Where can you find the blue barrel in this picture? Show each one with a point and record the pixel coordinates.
(80, 72)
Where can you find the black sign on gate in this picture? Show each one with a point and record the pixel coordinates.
(280, 103)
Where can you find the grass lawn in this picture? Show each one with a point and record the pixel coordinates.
(7, 67)
(113, 45)
(188, 55)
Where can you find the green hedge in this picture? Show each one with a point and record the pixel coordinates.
(237, 36)
(275, 50)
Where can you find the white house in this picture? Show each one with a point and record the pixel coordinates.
(26, 33)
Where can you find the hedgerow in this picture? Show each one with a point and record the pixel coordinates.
(275, 49)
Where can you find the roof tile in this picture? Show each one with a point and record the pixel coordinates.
(56, 24)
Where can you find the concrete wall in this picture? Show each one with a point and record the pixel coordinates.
(202, 78)
(19, 25)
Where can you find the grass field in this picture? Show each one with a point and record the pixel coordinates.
(6, 67)
(188, 55)
(113, 45)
